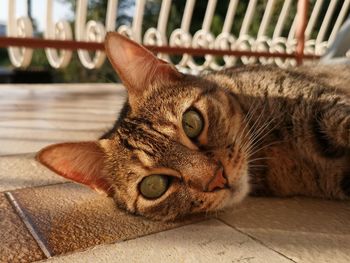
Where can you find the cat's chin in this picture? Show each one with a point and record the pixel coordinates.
(237, 193)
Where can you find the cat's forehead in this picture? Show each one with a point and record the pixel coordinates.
(156, 119)
(148, 140)
(174, 97)
(172, 94)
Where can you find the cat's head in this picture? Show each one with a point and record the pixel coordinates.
(178, 148)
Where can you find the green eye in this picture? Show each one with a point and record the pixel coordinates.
(154, 186)
(192, 123)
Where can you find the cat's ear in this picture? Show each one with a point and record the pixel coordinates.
(81, 162)
(136, 66)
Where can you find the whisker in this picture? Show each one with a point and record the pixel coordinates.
(248, 138)
(263, 147)
(253, 166)
(258, 139)
(258, 159)
(247, 118)
(264, 129)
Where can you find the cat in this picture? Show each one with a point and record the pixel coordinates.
(187, 144)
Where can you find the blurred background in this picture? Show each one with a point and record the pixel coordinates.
(40, 70)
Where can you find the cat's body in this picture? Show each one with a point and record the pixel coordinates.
(186, 144)
(283, 108)
(292, 107)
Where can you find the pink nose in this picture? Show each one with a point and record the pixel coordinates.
(218, 181)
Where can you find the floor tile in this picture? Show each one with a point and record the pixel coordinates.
(33, 116)
(208, 241)
(22, 170)
(69, 217)
(17, 140)
(17, 244)
(305, 230)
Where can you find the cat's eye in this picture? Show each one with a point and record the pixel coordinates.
(154, 186)
(192, 123)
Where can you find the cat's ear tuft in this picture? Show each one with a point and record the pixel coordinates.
(136, 66)
(81, 162)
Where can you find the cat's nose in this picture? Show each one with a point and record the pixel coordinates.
(218, 181)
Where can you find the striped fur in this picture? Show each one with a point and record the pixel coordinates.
(276, 132)
(267, 131)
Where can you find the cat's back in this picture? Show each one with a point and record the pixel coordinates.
(254, 78)
(292, 114)
(337, 76)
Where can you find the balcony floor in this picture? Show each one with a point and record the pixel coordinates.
(44, 217)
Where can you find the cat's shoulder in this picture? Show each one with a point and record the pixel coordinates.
(337, 76)
(333, 71)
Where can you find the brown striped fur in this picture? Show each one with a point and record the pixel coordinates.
(280, 132)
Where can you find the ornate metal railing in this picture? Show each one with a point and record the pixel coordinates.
(302, 41)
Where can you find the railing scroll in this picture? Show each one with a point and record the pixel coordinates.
(243, 48)
(19, 27)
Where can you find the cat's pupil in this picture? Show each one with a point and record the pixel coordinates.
(189, 125)
(154, 186)
(192, 123)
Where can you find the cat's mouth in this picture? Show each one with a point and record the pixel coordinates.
(237, 179)
(227, 186)
(218, 181)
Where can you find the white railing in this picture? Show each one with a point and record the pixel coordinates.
(94, 31)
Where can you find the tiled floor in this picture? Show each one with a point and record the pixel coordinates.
(43, 216)
(69, 217)
(16, 243)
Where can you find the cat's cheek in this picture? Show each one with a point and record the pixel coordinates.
(238, 178)
(241, 192)
(240, 189)
(203, 202)
(228, 200)
(174, 204)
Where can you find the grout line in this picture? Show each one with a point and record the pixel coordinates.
(255, 239)
(33, 186)
(29, 226)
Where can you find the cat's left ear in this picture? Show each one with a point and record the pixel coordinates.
(136, 66)
(81, 162)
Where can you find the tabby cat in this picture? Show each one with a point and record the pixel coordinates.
(186, 144)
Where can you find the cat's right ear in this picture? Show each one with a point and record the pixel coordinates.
(81, 162)
(136, 66)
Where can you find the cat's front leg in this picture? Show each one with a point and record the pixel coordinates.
(332, 133)
(332, 129)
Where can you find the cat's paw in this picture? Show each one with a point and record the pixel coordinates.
(341, 133)
(345, 132)
(345, 184)
(333, 136)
